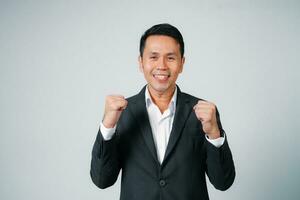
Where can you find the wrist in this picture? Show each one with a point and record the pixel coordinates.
(107, 124)
(214, 134)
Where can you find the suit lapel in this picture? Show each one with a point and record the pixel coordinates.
(181, 114)
(141, 115)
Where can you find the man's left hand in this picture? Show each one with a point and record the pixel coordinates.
(206, 114)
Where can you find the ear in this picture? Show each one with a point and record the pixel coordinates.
(140, 59)
(182, 63)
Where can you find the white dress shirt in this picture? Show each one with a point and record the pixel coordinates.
(161, 125)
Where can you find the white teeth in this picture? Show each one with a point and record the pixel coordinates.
(161, 77)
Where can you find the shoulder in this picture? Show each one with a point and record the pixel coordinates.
(189, 97)
(134, 98)
(137, 97)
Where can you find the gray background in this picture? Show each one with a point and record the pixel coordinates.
(58, 60)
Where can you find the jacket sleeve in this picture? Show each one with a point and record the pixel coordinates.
(105, 164)
(219, 163)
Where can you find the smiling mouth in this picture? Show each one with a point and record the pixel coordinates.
(161, 77)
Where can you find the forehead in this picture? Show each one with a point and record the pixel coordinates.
(161, 43)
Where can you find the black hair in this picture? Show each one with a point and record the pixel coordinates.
(162, 29)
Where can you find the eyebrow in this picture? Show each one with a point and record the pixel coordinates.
(168, 54)
(154, 53)
(171, 54)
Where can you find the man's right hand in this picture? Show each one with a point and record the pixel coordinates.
(114, 105)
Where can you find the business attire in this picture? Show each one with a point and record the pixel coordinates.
(168, 166)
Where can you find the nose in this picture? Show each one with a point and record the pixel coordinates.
(162, 64)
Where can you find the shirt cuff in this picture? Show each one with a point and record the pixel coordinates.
(216, 142)
(107, 133)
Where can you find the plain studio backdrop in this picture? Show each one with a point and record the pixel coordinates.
(59, 59)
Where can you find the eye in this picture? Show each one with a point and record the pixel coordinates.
(171, 58)
(153, 57)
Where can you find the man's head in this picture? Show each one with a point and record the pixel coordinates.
(161, 58)
(162, 29)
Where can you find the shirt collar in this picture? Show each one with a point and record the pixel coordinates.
(172, 104)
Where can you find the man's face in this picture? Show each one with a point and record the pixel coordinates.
(161, 63)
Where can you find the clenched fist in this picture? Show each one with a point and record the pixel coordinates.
(206, 114)
(114, 105)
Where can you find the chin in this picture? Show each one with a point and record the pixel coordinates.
(160, 88)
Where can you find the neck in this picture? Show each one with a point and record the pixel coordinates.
(162, 99)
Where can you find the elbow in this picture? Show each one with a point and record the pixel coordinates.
(101, 183)
(226, 183)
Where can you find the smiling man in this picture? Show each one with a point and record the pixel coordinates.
(164, 140)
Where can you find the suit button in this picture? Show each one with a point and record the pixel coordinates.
(162, 183)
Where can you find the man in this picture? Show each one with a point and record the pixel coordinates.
(164, 140)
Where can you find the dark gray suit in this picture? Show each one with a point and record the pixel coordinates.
(181, 176)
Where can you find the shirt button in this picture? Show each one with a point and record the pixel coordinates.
(162, 183)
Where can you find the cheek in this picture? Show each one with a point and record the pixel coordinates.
(148, 67)
(146, 70)
(176, 71)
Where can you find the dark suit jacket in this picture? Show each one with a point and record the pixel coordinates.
(181, 176)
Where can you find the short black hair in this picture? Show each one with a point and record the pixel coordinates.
(162, 29)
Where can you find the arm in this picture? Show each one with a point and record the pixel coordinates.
(220, 167)
(219, 163)
(105, 164)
